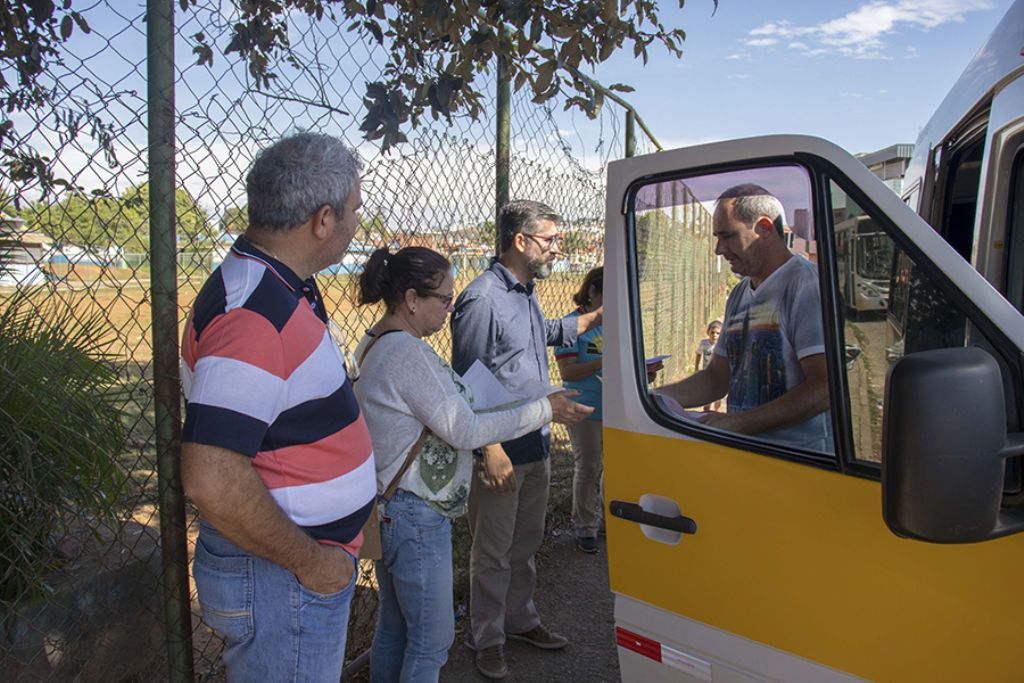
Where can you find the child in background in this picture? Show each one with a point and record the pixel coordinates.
(704, 350)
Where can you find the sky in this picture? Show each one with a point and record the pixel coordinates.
(863, 74)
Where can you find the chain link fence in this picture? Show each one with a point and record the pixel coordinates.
(80, 560)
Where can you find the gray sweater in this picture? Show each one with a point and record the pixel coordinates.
(404, 385)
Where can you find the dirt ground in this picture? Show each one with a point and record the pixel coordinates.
(572, 597)
(574, 600)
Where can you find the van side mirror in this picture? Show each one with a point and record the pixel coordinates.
(944, 447)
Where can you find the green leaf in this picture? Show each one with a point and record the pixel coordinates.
(373, 28)
(564, 30)
(545, 73)
(480, 36)
(524, 46)
(536, 28)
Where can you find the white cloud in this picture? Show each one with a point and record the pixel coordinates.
(851, 94)
(762, 42)
(806, 49)
(861, 33)
(738, 77)
(737, 55)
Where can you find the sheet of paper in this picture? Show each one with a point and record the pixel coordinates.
(671, 406)
(488, 392)
(655, 359)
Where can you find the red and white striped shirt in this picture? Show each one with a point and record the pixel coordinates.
(263, 377)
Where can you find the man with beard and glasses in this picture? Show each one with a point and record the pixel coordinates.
(498, 320)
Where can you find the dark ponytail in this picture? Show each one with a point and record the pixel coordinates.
(371, 280)
(387, 276)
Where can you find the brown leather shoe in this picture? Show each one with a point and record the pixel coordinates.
(538, 636)
(490, 662)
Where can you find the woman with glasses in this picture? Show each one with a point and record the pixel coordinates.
(420, 417)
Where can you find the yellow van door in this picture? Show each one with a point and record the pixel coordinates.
(747, 543)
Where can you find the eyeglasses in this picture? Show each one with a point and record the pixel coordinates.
(549, 244)
(446, 299)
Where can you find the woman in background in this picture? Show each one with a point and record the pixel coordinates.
(580, 366)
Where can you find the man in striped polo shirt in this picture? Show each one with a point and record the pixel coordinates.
(275, 451)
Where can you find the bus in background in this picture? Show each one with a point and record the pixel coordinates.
(864, 262)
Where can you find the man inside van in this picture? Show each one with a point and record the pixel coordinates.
(770, 357)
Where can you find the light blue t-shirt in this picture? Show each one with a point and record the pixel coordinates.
(767, 332)
(589, 346)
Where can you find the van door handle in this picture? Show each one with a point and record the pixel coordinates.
(634, 513)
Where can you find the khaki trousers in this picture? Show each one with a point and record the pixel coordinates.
(588, 468)
(507, 530)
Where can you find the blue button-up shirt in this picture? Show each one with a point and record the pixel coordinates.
(498, 320)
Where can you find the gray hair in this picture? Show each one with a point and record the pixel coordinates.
(752, 202)
(522, 216)
(297, 175)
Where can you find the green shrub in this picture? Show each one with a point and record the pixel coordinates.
(60, 432)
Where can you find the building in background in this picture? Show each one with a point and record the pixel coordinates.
(22, 253)
(889, 164)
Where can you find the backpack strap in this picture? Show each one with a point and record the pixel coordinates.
(374, 338)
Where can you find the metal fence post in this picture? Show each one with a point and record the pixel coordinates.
(630, 133)
(501, 145)
(164, 288)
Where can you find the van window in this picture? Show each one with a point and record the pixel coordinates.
(960, 198)
(737, 247)
(885, 318)
(890, 309)
(1015, 235)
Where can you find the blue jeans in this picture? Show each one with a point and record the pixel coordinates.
(416, 623)
(276, 629)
